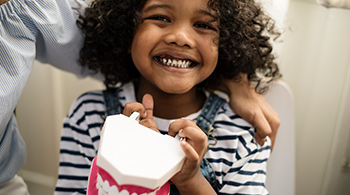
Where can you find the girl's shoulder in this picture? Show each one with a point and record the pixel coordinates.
(94, 101)
(225, 121)
(90, 97)
(230, 123)
(232, 131)
(226, 115)
(88, 101)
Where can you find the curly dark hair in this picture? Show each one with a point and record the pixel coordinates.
(244, 41)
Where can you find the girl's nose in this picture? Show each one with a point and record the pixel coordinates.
(182, 36)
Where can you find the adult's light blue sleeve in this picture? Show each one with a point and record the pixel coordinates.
(32, 29)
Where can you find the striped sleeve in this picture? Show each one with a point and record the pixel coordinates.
(238, 161)
(79, 143)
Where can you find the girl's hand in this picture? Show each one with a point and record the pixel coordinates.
(252, 107)
(195, 145)
(145, 109)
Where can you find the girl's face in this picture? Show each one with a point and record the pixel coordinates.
(174, 46)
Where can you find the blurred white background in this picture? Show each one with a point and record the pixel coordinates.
(315, 61)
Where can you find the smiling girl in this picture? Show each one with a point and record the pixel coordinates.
(169, 56)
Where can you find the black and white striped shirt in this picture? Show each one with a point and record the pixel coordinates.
(238, 161)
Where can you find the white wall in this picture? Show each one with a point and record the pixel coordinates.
(315, 62)
(40, 112)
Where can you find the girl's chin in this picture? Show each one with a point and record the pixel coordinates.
(177, 91)
(174, 87)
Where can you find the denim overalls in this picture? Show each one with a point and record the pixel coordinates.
(204, 121)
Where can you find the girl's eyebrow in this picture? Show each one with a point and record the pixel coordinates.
(156, 6)
(149, 8)
(204, 12)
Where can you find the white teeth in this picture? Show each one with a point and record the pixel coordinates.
(101, 192)
(181, 63)
(105, 189)
(105, 186)
(99, 181)
(176, 63)
(113, 190)
(124, 192)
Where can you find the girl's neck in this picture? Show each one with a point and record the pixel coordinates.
(171, 106)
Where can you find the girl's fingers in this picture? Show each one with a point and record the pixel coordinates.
(147, 102)
(193, 135)
(190, 167)
(177, 125)
(147, 121)
(134, 107)
(145, 109)
(192, 157)
(150, 124)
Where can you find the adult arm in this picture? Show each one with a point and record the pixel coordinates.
(15, 67)
(45, 30)
(253, 108)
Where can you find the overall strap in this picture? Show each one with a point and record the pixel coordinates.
(113, 105)
(206, 119)
(205, 122)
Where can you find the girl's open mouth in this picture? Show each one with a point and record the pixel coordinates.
(175, 62)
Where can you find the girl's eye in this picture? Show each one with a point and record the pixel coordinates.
(205, 26)
(160, 18)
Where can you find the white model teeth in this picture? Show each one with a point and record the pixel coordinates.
(176, 63)
(105, 189)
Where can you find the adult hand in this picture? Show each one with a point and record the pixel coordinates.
(2, 1)
(253, 107)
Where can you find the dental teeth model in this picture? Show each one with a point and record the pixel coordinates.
(133, 159)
